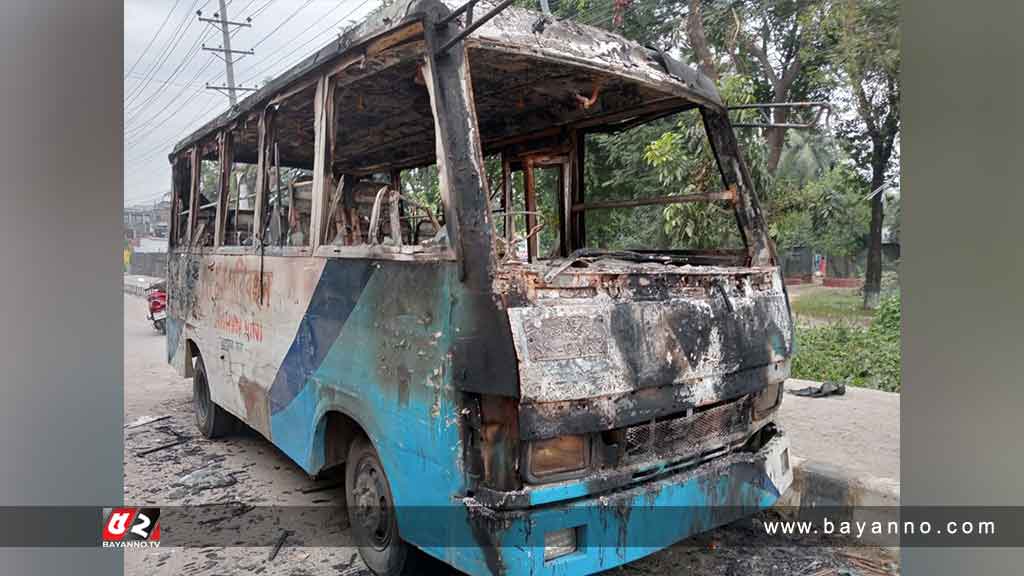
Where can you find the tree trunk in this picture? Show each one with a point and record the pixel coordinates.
(698, 42)
(873, 272)
(776, 137)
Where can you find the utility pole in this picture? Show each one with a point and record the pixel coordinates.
(224, 52)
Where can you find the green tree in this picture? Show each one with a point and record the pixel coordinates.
(839, 215)
(866, 58)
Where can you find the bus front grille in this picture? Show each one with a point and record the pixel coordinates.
(687, 435)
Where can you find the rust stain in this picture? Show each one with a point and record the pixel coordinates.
(257, 409)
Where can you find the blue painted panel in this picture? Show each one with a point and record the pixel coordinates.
(340, 287)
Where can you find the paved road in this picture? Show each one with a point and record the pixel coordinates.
(859, 430)
(261, 475)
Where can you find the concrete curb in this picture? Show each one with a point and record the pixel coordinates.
(817, 484)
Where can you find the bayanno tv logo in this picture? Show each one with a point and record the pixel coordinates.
(131, 527)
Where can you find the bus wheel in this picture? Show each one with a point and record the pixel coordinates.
(371, 511)
(212, 420)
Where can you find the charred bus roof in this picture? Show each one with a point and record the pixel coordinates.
(508, 55)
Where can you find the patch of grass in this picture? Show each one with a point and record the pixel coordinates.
(851, 353)
(830, 304)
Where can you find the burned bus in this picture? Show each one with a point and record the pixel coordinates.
(393, 259)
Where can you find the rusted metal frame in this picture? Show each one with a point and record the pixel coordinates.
(445, 174)
(662, 107)
(332, 209)
(734, 173)
(408, 253)
(238, 196)
(564, 202)
(769, 125)
(483, 358)
(394, 207)
(294, 90)
(467, 8)
(506, 200)
(658, 108)
(262, 171)
(502, 144)
(530, 196)
(180, 203)
(353, 227)
(349, 42)
(668, 86)
(369, 169)
(323, 105)
(203, 149)
(277, 190)
(728, 195)
(224, 183)
(577, 225)
(426, 210)
(330, 129)
(343, 74)
(470, 28)
(293, 214)
(626, 125)
(375, 217)
(193, 202)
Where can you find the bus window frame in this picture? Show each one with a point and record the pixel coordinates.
(330, 83)
(327, 83)
(179, 239)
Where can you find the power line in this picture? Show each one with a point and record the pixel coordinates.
(149, 153)
(311, 39)
(244, 8)
(136, 130)
(169, 47)
(173, 114)
(151, 40)
(260, 10)
(283, 22)
(177, 136)
(193, 50)
(189, 84)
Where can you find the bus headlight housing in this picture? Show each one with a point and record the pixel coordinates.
(557, 458)
(560, 543)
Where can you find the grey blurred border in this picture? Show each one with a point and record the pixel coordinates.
(60, 267)
(963, 295)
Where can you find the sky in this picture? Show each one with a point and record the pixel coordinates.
(165, 69)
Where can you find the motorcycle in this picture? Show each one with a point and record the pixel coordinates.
(156, 298)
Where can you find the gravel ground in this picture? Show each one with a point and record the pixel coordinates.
(245, 468)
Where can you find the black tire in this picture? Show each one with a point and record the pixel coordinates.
(371, 512)
(212, 420)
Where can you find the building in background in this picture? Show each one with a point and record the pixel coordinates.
(146, 228)
(148, 220)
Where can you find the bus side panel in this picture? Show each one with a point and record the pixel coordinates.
(182, 288)
(252, 323)
(243, 323)
(374, 344)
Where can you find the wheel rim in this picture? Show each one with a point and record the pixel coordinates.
(373, 507)
(202, 397)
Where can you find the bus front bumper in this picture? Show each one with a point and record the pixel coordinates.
(604, 531)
